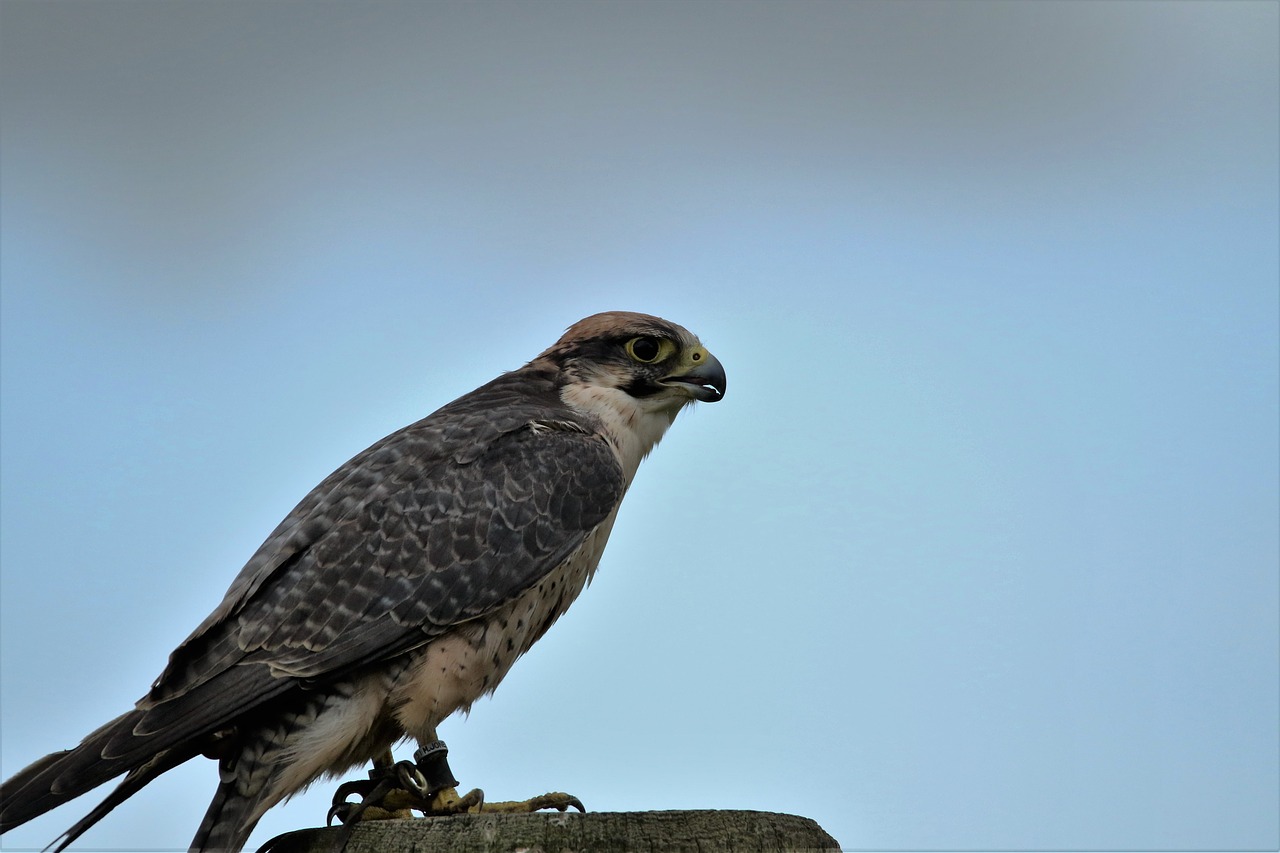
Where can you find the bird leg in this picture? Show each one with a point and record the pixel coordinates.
(440, 788)
(426, 784)
(432, 762)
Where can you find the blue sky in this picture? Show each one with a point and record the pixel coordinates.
(980, 551)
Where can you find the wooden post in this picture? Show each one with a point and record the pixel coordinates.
(719, 831)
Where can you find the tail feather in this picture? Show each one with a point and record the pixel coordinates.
(60, 777)
(229, 822)
(134, 781)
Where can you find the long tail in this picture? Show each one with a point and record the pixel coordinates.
(63, 776)
(134, 781)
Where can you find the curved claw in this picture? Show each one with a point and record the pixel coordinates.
(375, 790)
(355, 786)
(448, 802)
(411, 778)
(341, 811)
(557, 800)
(426, 785)
(341, 808)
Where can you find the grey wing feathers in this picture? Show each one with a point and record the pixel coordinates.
(434, 525)
(427, 543)
(437, 524)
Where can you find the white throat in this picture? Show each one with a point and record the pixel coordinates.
(632, 426)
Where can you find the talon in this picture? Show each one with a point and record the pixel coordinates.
(474, 800)
(555, 800)
(346, 789)
(342, 811)
(426, 784)
(448, 802)
(374, 793)
(411, 779)
(341, 807)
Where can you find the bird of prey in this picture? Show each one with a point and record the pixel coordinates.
(400, 590)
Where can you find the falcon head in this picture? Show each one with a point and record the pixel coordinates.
(658, 365)
(632, 374)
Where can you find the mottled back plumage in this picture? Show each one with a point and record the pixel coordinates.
(402, 587)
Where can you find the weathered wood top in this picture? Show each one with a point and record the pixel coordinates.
(712, 831)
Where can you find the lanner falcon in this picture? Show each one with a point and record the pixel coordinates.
(400, 590)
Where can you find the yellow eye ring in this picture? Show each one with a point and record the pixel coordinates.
(649, 350)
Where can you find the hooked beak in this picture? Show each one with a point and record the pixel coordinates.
(701, 375)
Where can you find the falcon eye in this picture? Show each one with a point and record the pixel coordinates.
(648, 350)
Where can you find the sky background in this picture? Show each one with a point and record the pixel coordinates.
(981, 549)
